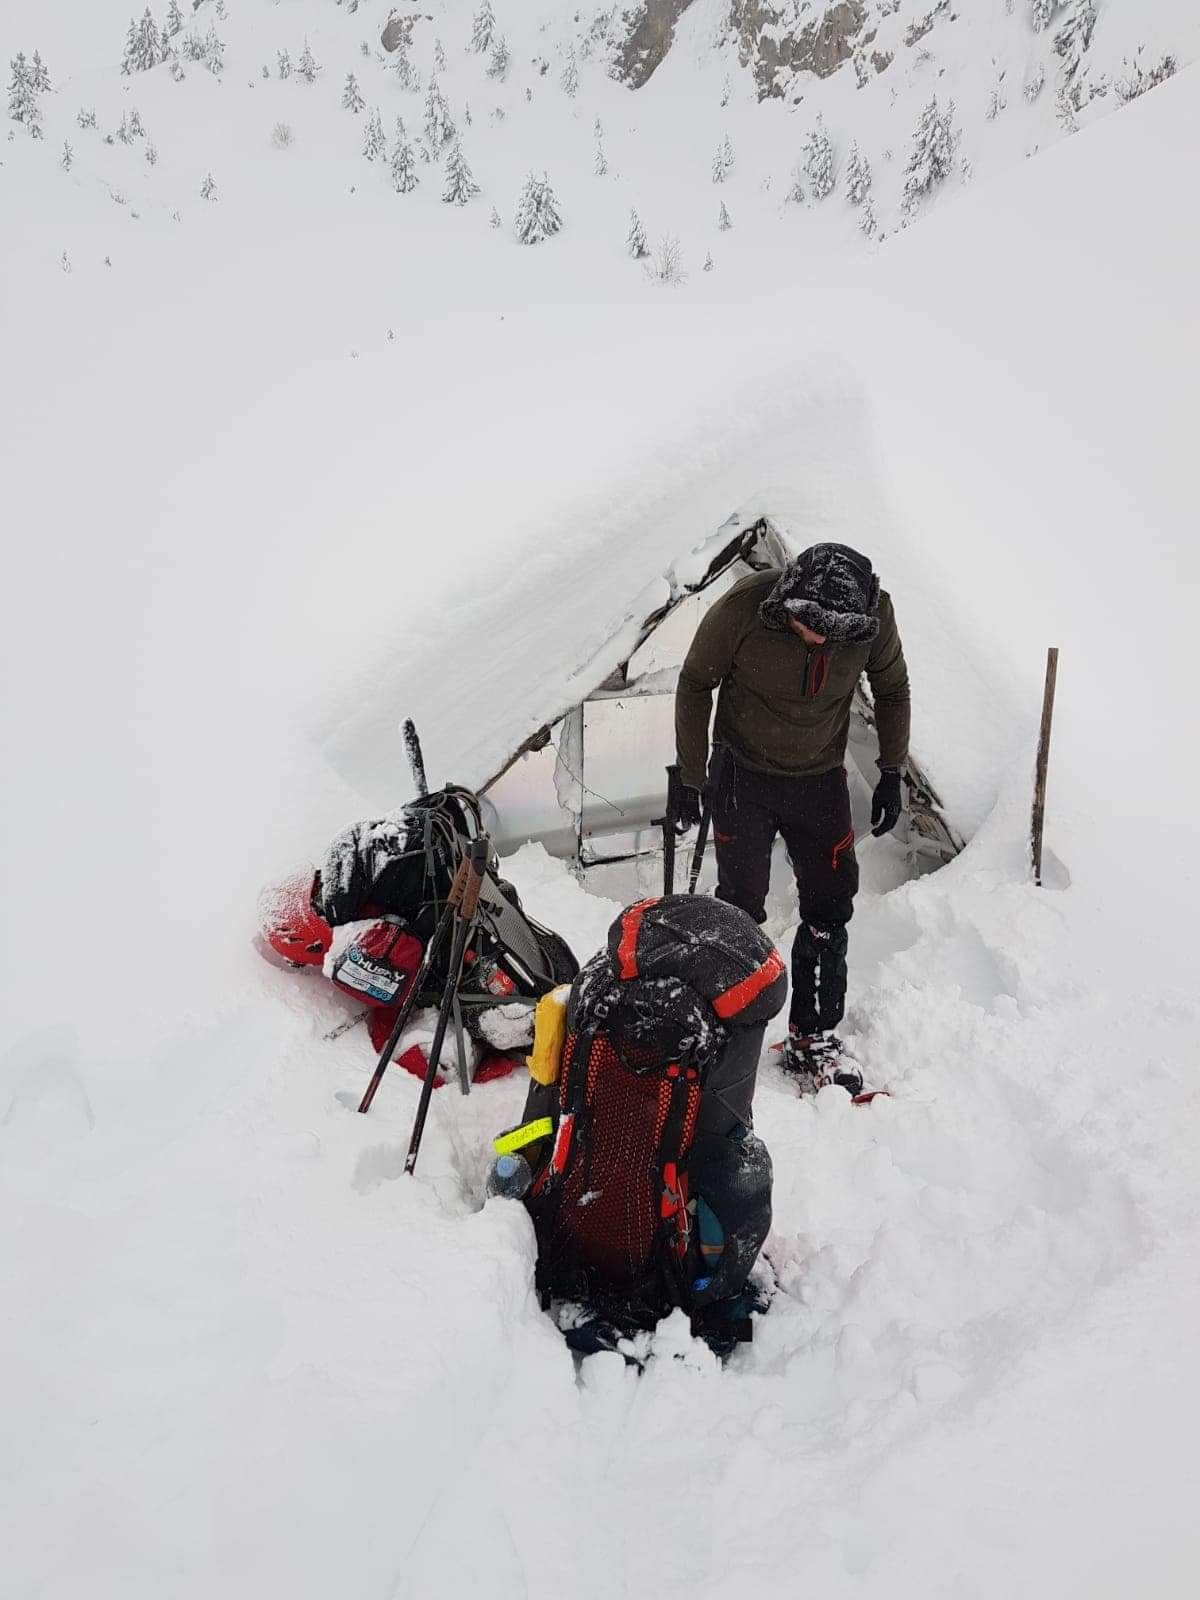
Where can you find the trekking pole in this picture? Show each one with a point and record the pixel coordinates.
(464, 915)
(701, 844)
(416, 761)
(1037, 822)
(431, 949)
(667, 824)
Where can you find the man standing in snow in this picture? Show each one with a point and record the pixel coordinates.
(786, 650)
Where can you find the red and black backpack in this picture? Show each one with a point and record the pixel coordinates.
(648, 1017)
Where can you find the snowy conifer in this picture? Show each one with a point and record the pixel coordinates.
(308, 66)
(135, 124)
(214, 52)
(352, 100)
(439, 125)
(570, 75)
(374, 139)
(66, 160)
(795, 195)
(996, 99)
(726, 91)
(932, 158)
(39, 75)
(724, 221)
(635, 239)
(460, 184)
(86, 119)
(1041, 12)
(405, 75)
(538, 216)
(600, 165)
(494, 221)
(151, 155)
(439, 56)
(467, 118)
(22, 97)
(208, 189)
(1073, 38)
(65, 263)
(722, 161)
(708, 262)
(174, 22)
(285, 64)
(858, 176)
(818, 162)
(1035, 84)
(483, 30)
(143, 47)
(124, 136)
(667, 265)
(404, 171)
(498, 65)
(866, 218)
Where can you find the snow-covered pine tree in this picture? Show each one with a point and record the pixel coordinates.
(86, 119)
(374, 139)
(174, 22)
(483, 28)
(498, 65)
(151, 155)
(352, 99)
(404, 167)
(467, 118)
(143, 47)
(66, 160)
(538, 216)
(600, 165)
(858, 176)
(724, 221)
(635, 239)
(405, 74)
(439, 125)
(22, 97)
(726, 91)
(41, 78)
(1035, 84)
(137, 131)
(1041, 13)
(308, 66)
(866, 218)
(570, 75)
(494, 221)
(208, 189)
(285, 64)
(214, 52)
(65, 263)
(708, 262)
(795, 194)
(932, 158)
(460, 184)
(124, 135)
(818, 162)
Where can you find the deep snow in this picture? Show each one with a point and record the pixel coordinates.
(241, 1355)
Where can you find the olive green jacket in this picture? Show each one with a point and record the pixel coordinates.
(783, 706)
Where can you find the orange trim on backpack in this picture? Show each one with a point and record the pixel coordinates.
(846, 843)
(741, 994)
(630, 923)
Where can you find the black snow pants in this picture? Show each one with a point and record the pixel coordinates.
(813, 815)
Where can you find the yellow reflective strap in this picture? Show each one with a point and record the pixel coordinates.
(517, 1138)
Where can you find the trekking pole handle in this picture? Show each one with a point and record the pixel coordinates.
(459, 886)
(476, 866)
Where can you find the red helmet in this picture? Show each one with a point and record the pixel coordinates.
(290, 925)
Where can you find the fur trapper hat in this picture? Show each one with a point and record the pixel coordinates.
(830, 589)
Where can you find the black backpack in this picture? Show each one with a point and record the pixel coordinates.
(673, 1010)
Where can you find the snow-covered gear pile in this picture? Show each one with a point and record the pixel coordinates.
(650, 1190)
(831, 589)
(367, 913)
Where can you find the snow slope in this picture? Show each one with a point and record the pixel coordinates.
(240, 1355)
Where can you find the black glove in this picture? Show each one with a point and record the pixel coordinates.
(352, 864)
(885, 803)
(687, 808)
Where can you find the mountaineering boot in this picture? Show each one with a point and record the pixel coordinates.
(817, 1061)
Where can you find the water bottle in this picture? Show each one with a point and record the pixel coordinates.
(510, 1177)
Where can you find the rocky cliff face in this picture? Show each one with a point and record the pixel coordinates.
(772, 40)
(648, 32)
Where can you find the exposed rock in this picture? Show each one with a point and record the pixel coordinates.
(649, 30)
(881, 60)
(769, 39)
(917, 30)
(398, 30)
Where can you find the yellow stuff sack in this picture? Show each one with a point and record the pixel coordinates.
(549, 1035)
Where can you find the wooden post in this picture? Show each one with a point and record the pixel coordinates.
(1043, 761)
